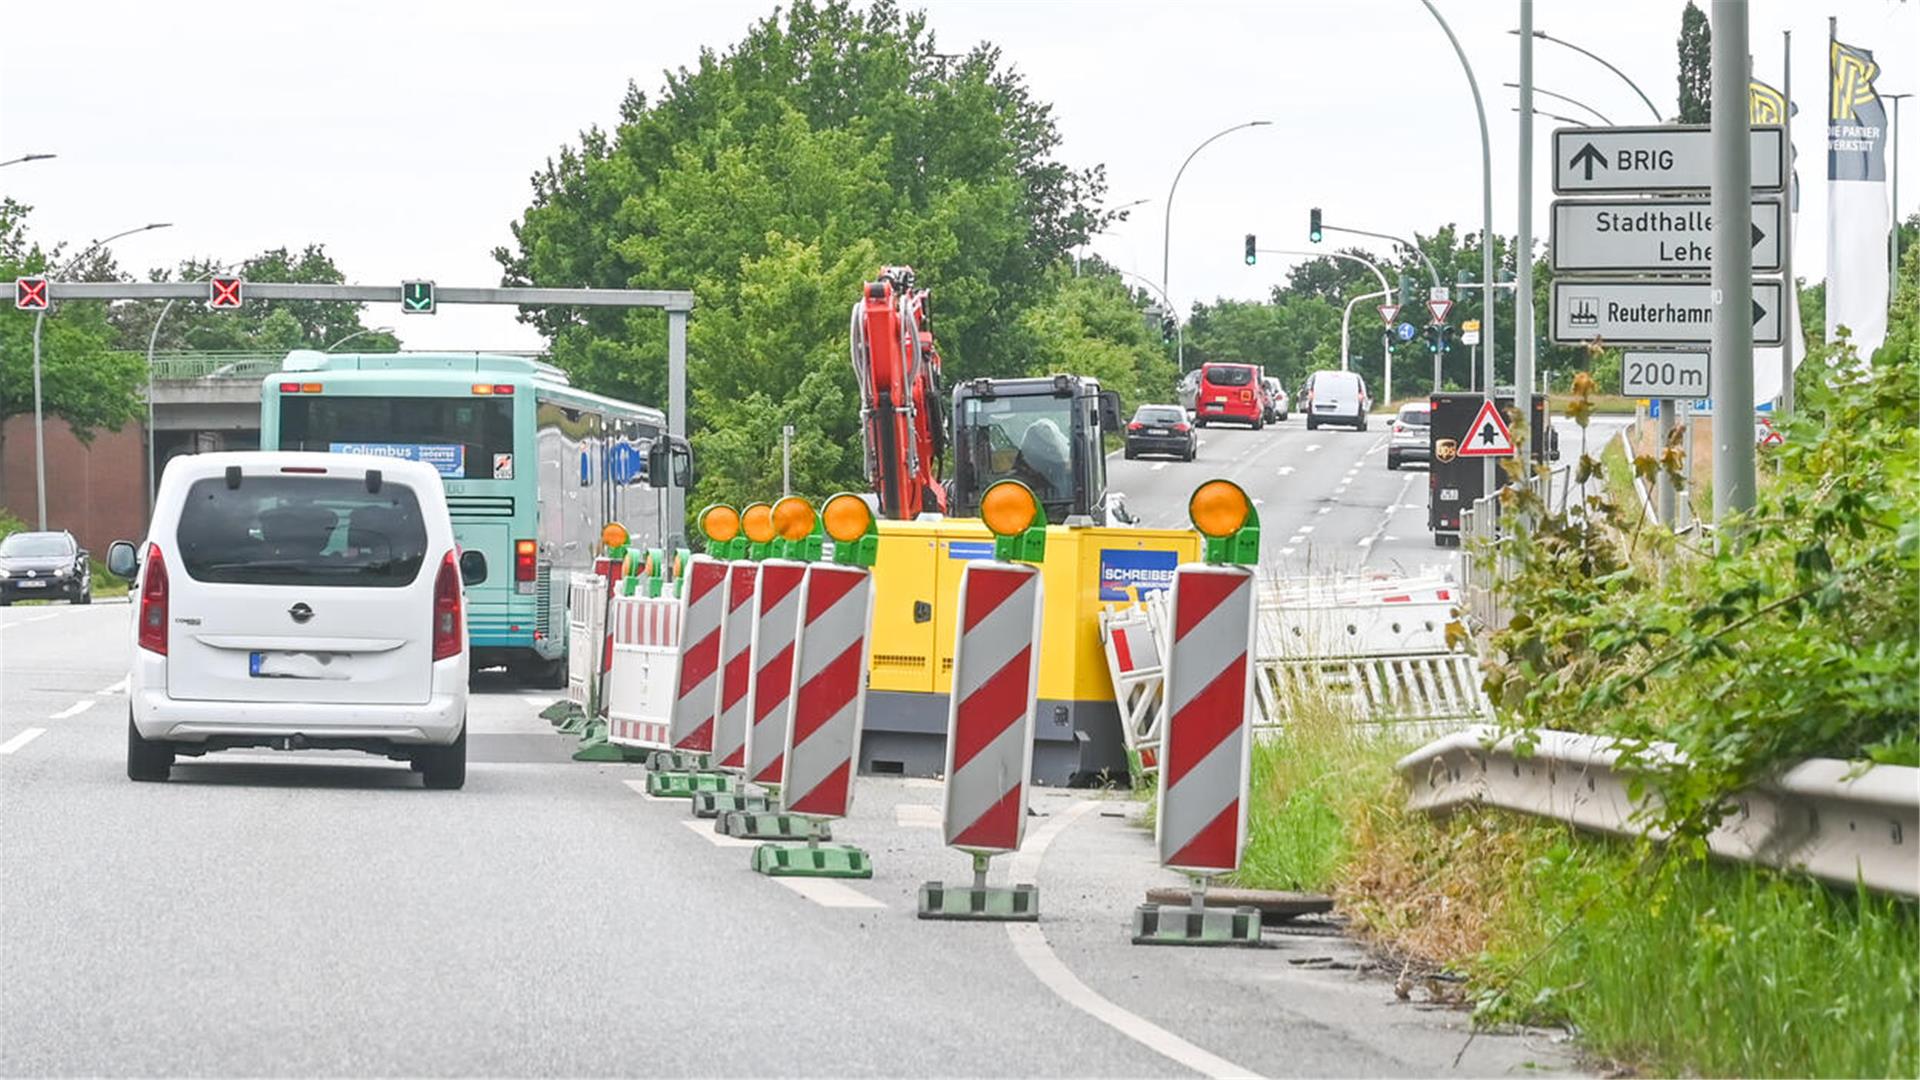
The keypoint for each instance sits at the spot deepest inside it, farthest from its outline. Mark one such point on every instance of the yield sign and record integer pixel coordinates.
(1387, 312)
(1487, 436)
(1440, 309)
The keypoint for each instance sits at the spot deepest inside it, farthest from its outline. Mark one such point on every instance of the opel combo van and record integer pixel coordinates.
(298, 601)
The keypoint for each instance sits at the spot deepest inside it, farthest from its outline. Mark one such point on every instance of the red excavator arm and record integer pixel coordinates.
(898, 368)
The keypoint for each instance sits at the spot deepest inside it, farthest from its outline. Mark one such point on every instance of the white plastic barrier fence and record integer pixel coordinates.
(1135, 642)
(640, 686)
(586, 613)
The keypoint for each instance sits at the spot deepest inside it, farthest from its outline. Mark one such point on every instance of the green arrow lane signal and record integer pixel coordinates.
(416, 297)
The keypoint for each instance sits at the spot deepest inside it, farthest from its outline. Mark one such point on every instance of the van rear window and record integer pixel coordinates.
(1229, 375)
(301, 530)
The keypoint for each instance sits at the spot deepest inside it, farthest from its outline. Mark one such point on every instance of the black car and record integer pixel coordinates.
(1161, 429)
(44, 566)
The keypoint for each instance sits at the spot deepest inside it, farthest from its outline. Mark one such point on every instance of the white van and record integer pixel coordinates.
(1336, 397)
(299, 601)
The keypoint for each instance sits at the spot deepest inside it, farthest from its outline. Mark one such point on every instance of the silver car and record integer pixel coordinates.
(1411, 439)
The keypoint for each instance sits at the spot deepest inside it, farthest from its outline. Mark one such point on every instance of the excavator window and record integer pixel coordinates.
(1025, 438)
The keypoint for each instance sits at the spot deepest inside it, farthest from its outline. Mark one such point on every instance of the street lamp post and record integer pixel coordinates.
(357, 333)
(1346, 316)
(1386, 344)
(1893, 178)
(1113, 210)
(39, 416)
(27, 157)
(1166, 233)
(1179, 334)
(1595, 57)
(1576, 102)
(1487, 234)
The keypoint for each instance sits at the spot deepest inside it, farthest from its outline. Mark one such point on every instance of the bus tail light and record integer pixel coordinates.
(446, 610)
(523, 560)
(153, 602)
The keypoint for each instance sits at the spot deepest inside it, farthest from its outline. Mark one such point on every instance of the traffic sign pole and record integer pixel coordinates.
(1733, 336)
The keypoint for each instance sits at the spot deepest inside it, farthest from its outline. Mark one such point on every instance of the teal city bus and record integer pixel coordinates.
(534, 470)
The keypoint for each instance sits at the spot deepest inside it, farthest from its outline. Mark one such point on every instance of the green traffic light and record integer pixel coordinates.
(1313, 226)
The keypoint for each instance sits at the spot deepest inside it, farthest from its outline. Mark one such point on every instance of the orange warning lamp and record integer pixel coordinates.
(720, 523)
(793, 518)
(614, 536)
(849, 521)
(1018, 522)
(1223, 514)
(757, 522)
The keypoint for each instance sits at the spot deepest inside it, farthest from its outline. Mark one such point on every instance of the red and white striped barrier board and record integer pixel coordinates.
(829, 690)
(996, 675)
(1202, 822)
(776, 605)
(697, 682)
(646, 657)
(736, 667)
(1133, 662)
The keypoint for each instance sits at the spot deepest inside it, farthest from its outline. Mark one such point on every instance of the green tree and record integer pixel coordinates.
(1696, 66)
(830, 141)
(82, 380)
(257, 325)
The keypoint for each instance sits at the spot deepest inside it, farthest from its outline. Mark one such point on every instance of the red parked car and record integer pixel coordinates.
(1230, 392)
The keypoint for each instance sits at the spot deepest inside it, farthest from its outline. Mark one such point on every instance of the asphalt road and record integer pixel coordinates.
(1327, 502)
(320, 913)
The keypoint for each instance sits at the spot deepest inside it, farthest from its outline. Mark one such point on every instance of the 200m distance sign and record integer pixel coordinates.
(1641, 311)
(1678, 374)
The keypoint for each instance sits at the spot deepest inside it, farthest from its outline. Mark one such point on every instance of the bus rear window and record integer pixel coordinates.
(464, 437)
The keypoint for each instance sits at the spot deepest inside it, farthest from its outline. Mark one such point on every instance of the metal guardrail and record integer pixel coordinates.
(189, 366)
(1826, 817)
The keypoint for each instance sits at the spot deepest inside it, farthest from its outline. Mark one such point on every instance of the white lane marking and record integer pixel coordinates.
(1156, 466)
(1285, 470)
(1386, 518)
(1030, 945)
(117, 688)
(703, 827)
(829, 893)
(1286, 551)
(21, 739)
(1365, 541)
(24, 622)
(916, 816)
(1304, 528)
(1312, 447)
(73, 710)
(1326, 510)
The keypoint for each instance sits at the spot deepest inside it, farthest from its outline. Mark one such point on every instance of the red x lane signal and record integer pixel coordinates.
(223, 292)
(30, 293)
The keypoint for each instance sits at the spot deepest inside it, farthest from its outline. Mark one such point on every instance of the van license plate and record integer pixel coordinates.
(296, 665)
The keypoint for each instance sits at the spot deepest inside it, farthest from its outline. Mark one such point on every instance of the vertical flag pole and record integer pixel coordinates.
(1792, 314)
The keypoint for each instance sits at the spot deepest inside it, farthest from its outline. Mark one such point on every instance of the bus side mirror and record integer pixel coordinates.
(670, 463)
(121, 561)
(473, 568)
(1109, 411)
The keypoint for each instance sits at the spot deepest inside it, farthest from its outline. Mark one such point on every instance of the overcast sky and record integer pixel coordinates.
(402, 135)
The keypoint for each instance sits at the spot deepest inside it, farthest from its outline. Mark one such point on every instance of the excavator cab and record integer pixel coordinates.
(1045, 432)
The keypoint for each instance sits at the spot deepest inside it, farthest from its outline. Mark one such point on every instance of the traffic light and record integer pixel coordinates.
(416, 297)
(1249, 249)
(224, 293)
(1406, 290)
(30, 293)
(1166, 328)
(1313, 226)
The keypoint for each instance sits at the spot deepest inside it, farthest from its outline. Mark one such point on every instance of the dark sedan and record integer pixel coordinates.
(44, 566)
(1161, 429)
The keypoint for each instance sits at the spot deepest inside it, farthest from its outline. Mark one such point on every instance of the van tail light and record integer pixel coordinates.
(447, 630)
(1399, 428)
(523, 560)
(153, 602)
(1246, 395)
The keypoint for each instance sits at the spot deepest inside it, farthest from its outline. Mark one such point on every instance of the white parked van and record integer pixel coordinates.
(299, 601)
(1336, 397)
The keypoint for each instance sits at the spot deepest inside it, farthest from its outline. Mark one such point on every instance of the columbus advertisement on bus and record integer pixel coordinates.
(534, 468)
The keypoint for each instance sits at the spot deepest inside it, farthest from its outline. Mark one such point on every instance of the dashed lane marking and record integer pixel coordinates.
(73, 710)
(1326, 510)
(639, 788)
(117, 688)
(1030, 945)
(829, 893)
(703, 828)
(25, 622)
(1313, 447)
(1285, 470)
(1156, 466)
(21, 740)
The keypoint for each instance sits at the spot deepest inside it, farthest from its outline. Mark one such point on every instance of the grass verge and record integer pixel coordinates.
(1662, 962)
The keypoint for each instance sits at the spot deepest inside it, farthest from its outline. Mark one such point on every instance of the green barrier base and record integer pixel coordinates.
(747, 825)
(675, 761)
(1180, 924)
(812, 860)
(559, 711)
(1018, 903)
(684, 785)
(595, 747)
(717, 804)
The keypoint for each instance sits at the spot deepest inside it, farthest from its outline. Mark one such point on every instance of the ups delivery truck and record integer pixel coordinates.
(1453, 481)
